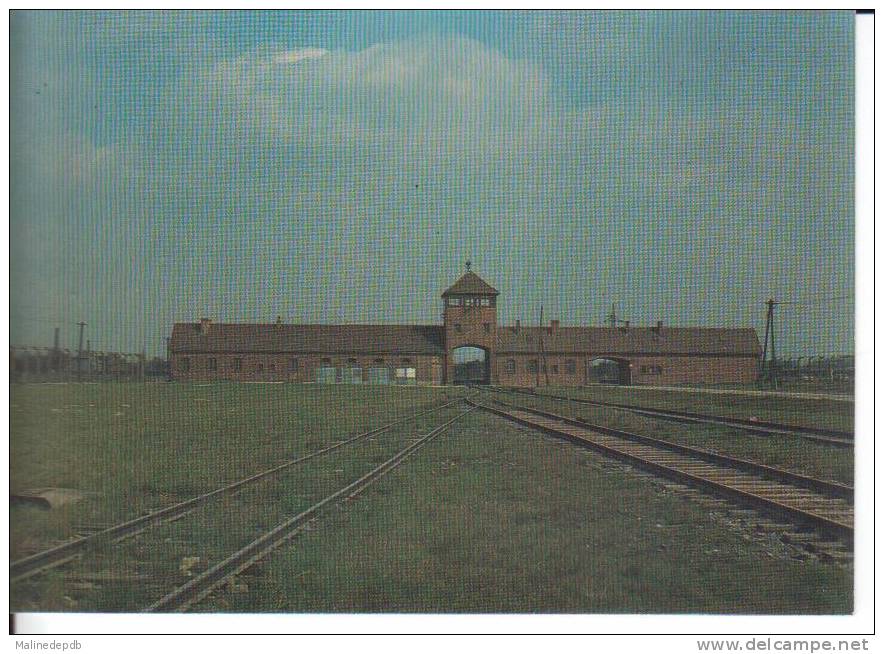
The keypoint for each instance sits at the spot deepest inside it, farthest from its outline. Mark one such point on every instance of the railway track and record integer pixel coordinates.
(71, 550)
(202, 585)
(833, 437)
(825, 506)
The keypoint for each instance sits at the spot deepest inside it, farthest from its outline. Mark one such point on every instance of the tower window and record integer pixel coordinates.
(293, 364)
(185, 364)
(237, 364)
(570, 366)
(532, 365)
(511, 366)
(213, 364)
(458, 328)
(487, 327)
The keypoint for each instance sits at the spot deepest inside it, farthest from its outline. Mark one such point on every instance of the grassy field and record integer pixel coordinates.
(790, 453)
(138, 447)
(490, 518)
(829, 414)
(487, 518)
(839, 387)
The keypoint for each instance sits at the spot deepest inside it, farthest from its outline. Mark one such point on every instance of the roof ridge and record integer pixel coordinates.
(470, 283)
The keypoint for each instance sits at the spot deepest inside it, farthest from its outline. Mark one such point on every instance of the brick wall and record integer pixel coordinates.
(470, 326)
(570, 370)
(279, 367)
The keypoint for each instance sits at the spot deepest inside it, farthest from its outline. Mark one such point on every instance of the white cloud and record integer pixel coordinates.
(294, 56)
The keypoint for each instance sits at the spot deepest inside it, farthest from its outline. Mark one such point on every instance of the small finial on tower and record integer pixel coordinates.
(469, 265)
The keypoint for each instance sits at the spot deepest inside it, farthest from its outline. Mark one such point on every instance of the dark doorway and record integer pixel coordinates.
(471, 366)
(608, 371)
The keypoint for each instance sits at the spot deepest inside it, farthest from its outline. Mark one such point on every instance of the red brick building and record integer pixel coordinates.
(513, 355)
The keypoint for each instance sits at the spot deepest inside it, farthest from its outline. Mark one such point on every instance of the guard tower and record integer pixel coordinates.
(470, 319)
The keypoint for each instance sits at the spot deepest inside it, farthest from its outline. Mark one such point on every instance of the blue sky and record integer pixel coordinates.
(341, 167)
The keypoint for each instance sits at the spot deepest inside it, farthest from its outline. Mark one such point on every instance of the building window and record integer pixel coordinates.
(486, 302)
(406, 362)
(532, 365)
(326, 361)
(272, 367)
(511, 366)
(555, 369)
(405, 375)
(213, 364)
(458, 328)
(293, 365)
(260, 367)
(570, 366)
(351, 361)
(487, 327)
(185, 364)
(237, 364)
(379, 361)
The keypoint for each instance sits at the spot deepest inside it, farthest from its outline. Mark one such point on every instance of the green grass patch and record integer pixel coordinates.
(787, 452)
(487, 518)
(134, 574)
(137, 447)
(491, 518)
(825, 414)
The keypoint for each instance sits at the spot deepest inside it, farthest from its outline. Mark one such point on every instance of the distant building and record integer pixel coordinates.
(513, 355)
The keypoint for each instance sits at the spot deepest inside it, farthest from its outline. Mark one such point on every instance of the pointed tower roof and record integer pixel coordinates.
(470, 284)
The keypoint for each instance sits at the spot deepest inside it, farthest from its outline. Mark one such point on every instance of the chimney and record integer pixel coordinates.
(205, 323)
(625, 325)
(659, 327)
(518, 326)
(278, 320)
(553, 326)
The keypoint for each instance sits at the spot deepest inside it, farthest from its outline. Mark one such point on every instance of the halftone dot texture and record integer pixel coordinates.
(340, 167)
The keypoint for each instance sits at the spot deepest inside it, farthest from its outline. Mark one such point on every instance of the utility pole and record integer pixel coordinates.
(80, 350)
(540, 346)
(769, 336)
(56, 353)
(168, 362)
(542, 354)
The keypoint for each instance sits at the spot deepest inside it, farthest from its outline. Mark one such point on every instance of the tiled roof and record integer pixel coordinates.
(226, 337)
(470, 284)
(430, 339)
(630, 340)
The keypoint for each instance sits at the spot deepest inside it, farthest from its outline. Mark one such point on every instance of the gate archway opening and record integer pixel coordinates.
(472, 365)
(605, 370)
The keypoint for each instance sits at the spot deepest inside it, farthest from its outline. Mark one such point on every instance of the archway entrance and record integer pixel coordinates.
(471, 365)
(608, 371)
